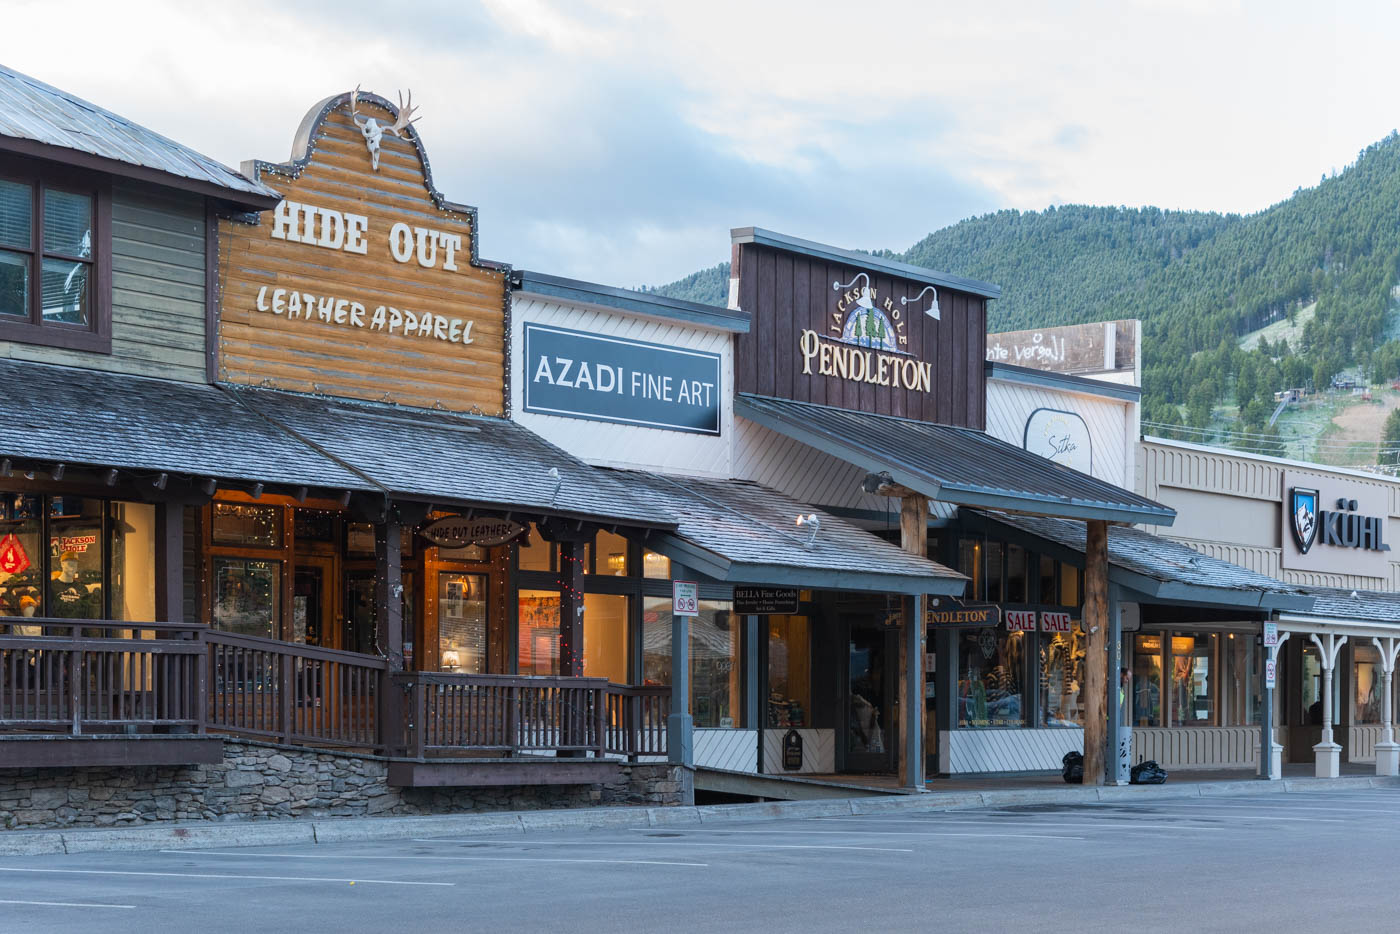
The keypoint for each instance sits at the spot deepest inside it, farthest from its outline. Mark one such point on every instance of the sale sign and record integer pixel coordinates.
(13, 559)
(1055, 622)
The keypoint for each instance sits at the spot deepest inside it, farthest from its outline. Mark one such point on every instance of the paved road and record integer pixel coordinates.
(1314, 862)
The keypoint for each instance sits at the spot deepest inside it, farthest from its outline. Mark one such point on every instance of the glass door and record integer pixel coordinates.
(462, 622)
(872, 655)
(313, 602)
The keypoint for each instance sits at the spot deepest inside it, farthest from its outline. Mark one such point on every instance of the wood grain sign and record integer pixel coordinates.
(857, 338)
(365, 282)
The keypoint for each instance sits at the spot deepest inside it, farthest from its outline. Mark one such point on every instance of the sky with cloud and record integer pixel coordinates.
(620, 140)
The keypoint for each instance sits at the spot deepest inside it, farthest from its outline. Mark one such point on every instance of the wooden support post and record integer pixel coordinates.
(1095, 624)
(170, 563)
(913, 538)
(571, 608)
(388, 616)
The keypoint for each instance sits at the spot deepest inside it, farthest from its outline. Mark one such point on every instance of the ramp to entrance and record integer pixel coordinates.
(791, 787)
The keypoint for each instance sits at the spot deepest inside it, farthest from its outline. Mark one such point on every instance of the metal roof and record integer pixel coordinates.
(1065, 382)
(954, 465)
(41, 115)
(650, 304)
(834, 254)
(440, 457)
(1167, 570)
(741, 532)
(1367, 605)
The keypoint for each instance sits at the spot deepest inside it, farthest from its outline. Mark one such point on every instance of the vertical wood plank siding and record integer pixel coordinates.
(786, 293)
(158, 268)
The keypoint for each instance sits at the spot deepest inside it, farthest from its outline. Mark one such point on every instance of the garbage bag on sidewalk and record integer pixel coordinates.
(1074, 767)
(1148, 773)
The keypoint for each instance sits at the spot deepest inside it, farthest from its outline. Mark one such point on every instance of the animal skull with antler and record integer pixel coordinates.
(373, 131)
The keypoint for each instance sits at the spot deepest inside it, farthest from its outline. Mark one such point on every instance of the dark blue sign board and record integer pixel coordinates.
(613, 379)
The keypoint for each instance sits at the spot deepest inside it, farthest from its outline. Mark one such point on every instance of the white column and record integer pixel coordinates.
(1387, 751)
(1275, 750)
(1327, 755)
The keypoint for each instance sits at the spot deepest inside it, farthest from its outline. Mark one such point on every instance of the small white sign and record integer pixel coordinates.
(1020, 620)
(1056, 622)
(685, 598)
(1270, 673)
(1271, 634)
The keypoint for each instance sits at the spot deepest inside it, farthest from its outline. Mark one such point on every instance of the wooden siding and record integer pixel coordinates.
(818, 752)
(157, 290)
(314, 356)
(1223, 747)
(964, 751)
(1010, 404)
(802, 472)
(614, 445)
(787, 293)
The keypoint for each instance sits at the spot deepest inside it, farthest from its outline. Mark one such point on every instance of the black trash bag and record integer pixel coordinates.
(1148, 773)
(1074, 768)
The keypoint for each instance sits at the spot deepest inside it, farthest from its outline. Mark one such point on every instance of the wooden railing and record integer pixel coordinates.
(292, 693)
(58, 674)
(637, 720)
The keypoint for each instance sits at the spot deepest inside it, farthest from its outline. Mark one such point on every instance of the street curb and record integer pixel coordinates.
(195, 835)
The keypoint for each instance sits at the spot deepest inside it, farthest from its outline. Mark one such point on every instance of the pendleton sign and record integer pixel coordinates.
(363, 270)
(864, 341)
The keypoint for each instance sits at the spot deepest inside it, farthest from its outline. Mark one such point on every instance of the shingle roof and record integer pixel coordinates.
(744, 532)
(35, 111)
(454, 458)
(86, 417)
(954, 465)
(1164, 561)
(1366, 605)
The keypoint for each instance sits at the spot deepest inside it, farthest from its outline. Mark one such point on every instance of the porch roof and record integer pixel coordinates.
(1162, 570)
(1362, 605)
(741, 532)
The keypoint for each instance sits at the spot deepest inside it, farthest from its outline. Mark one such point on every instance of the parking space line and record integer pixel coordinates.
(897, 833)
(215, 875)
(16, 901)
(1225, 815)
(1284, 807)
(746, 846)
(994, 822)
(458, 859)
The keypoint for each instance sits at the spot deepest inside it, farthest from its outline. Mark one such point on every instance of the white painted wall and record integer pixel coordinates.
(607, 444)
(1112, 423)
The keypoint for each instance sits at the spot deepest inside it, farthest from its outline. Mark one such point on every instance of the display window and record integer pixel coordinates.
(1194, 690)
(789, 671)
(1244, 697)
(605, 631)
(1368, 686)
(1062, 677)
(991, 678)
(538, 631)
(715, 693)
(1147, 680)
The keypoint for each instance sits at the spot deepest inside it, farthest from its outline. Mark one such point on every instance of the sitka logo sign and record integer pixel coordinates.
(1302, 506)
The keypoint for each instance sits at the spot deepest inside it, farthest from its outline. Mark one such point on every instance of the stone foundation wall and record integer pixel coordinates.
(258, 781)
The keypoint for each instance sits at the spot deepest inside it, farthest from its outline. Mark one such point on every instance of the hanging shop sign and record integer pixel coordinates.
(485, 531)
(1056, 622)
(614, 379)
(766, 601)
(1334, 526)
(947, 611)
(363, 269)
(1060, 436)
(13, 558)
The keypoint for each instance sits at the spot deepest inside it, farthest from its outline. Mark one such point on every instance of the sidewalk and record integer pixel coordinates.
(1026, 791)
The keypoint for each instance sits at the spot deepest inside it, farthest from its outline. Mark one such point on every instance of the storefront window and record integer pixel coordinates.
(1049, 593)
(536, 554)
(1311, 686)
(133, 562)
(1069, 585)
(970, 563)
(714, 659)
(655, 566)
(1062, 678)
(75, 558)
(1016, 574)
(247, 596)
(609, 555)
(990, 689)
(462, 622)
(1243, 698)
(539, 632)
(1193, 682)
(789, 671)
(995, 588)
(605, 637)
(254, 526)
(1367, 682)
(1147, 680)
(21, 560)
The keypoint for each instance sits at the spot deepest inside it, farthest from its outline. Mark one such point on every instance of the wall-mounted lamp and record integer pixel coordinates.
(558, 482)
(932, 310)
(812, 523)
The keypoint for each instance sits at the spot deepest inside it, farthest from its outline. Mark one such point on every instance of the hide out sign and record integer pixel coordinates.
(613, 379)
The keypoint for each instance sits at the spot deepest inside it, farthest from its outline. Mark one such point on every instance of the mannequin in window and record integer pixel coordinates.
(28, 607)
(69, 598)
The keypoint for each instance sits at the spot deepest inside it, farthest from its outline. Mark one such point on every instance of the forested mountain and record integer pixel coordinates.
(1198, 281)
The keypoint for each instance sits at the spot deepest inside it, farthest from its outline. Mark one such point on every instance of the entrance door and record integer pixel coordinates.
(873, 656)
(313, 601)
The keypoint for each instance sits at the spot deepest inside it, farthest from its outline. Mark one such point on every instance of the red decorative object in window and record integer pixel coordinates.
(13, 559)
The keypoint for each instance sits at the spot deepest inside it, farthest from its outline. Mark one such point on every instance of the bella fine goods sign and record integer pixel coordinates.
(459, 532)
(1335, 526)
(613, 379)
(363, 269)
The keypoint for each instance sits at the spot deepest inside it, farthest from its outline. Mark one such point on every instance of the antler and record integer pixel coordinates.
(354, 96)
(405, 112)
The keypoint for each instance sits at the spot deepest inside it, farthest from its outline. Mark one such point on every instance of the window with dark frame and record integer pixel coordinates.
(55, 261)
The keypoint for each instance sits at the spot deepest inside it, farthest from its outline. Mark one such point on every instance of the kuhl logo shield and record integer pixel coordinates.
(1303, 507)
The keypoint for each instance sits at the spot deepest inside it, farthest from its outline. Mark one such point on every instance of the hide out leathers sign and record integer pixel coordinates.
(1335, 526)
(486, 531)
(613, 379)
(364, 282)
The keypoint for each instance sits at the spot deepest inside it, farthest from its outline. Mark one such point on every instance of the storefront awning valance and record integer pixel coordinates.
(740, 532)
(1159, 570)
(953, 465)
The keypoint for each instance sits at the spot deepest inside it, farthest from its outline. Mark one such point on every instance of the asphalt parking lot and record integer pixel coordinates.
(1314, 861)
